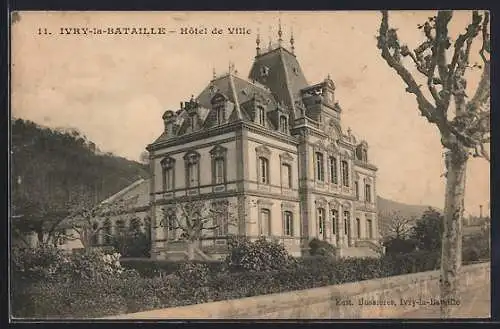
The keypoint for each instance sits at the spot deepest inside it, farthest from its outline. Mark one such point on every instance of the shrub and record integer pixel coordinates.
(321, 248)
(261, 255)
(36, 263)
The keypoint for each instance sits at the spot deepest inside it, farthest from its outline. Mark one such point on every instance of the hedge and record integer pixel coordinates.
(151, 268)
(194, 283)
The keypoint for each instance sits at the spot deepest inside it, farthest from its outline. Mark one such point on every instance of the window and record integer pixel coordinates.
(265, 222)
(168, 168)
(288, 223)
(334, 215)
(221, 218)
(358, 227)
(347, 215)
(193, 123)
(356, 189)
(218, 154)
(135, 225)
(262, 116)
(321, 221)
(120, 225)
(169, 224)
(168, 179)
(333, 170)
(369, 228)
(345, 173)
(220, 115)
(364, 155)
(368, 193)
(219, 170)
(283, 124)
(263, 170)
(286, 175)
(192, 174)
(320, 173)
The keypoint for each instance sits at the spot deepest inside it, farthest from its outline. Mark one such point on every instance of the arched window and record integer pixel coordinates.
(192, 160)
(283, 124)
(345, 173)
(334, 215)
(333, 171)
(365, 155)
(288, 223)
(263, 170)
(168, 173)
(321, 222)
(320, 170)
(218, 154)
(368, 193)
(221, 114)
(347, 216)
(262, 116)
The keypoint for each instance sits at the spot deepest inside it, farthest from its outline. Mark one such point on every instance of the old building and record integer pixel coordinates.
(273, 147)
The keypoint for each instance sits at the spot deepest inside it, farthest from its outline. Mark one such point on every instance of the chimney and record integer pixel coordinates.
(480, 211)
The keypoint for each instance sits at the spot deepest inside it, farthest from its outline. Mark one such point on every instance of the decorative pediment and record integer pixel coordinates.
(265, 202)
(286, 157)
(218, 99)
(321, 202)
(320, 146)
(168, 115)
(334, 204)
(167, 162)
(262, 150)
(288, 205)
(218, 151)
(192, 156)
(346, 206)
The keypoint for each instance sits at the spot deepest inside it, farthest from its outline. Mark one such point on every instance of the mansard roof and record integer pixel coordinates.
(284, 78)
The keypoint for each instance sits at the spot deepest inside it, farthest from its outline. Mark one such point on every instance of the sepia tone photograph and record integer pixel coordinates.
(319, 165)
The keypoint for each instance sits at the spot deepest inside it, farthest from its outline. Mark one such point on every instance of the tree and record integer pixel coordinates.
(194, 219)
(428, 231)
(399, 226)
(464, 130)
(86, 218)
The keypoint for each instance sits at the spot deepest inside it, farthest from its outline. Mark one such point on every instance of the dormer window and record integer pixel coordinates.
(283, 124)
(364, 153)
(221, 115)
(262, 116)
(264, 71)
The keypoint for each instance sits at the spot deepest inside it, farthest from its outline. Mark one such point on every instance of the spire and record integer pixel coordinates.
(280, 33)
(292, 41)
(258, 42)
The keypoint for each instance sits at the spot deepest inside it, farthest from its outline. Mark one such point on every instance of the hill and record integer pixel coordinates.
(51, 168)
(388, 207)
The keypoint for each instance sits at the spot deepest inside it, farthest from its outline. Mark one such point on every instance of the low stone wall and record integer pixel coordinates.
(399, 294)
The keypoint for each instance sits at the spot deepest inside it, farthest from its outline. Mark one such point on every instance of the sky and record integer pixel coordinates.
(115, 88)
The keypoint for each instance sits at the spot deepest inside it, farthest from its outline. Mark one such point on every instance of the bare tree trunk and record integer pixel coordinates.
(190, 249)
(451, 252)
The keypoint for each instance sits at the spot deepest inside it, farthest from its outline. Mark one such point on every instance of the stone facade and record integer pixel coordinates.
(272, 146)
